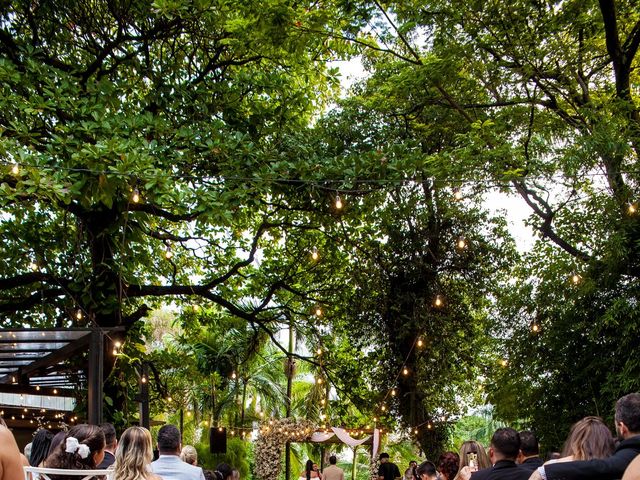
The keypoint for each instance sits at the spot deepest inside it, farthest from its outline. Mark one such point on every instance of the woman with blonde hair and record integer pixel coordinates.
(589, 438)
(133, 455)
(189, 455)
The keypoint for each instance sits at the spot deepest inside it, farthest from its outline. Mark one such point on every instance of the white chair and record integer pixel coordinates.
(43, 473)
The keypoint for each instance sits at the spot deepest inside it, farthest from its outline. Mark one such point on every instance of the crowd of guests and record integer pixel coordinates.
(92, 447)
(590, 453)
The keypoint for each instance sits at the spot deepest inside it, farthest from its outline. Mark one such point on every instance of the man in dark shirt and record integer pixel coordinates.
(504, 449)
(388, 470)
(529, 457)
(627, 418)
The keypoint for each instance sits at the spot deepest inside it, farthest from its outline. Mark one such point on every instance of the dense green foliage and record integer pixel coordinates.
(196, 153)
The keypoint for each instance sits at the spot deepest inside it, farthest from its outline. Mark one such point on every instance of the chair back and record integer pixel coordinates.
(34, 473)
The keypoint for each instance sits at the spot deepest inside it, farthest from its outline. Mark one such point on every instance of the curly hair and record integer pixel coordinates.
(448, 464)
(89, 435)
(189, 455)
(134, 454)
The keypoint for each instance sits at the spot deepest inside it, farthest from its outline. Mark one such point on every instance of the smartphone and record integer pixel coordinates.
(472, 461)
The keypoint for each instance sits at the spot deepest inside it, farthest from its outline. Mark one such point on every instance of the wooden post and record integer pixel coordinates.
(95, 374)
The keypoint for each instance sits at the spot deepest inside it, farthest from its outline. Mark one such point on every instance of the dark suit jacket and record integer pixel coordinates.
(502, 470)
(530, 464)
(107, 462)
(605, 469)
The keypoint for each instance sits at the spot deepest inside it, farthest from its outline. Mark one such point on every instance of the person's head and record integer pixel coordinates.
(529, 446)
(628, 416)
(315, 467)
(333, 460)
(133, 454)
(235, 474)
(427, 471)
(189, 455)
(589, 438)
(169, 442)
(308, 466)
(223, 472)
(109, 436)
(473, 448)
(384, 457)
(448, 465)
(505, 445)
(82, 448)
(209, 475)
(57, 440)
(40, 446)
(413, 464)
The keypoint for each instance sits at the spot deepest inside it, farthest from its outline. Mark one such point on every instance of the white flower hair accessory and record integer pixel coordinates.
(73, 446)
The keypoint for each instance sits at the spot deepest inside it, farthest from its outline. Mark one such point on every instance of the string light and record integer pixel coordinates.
(314, 254)
(143, 379)
(318, 312)
(461, 243)
(631, 209)
(117, 344)
(393, 392)
(168, 253)
(438, 301)
(535, 326)
(575, 279)
(319, 380)
(233, 375)
(33, 266)
(420, 343)
(405, 371)
(135, 197)
(319, 351)
(79, 314)
(339, 204)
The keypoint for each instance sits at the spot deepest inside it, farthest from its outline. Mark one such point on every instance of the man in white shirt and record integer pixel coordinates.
(169, 466)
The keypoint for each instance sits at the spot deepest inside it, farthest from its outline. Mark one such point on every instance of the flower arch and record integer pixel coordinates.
(272, 437)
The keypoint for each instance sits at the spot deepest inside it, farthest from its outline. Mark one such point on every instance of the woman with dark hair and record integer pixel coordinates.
(427, 471)
(40, 446)
(81, 449)
(310, 471)
(448, 465)
(223, 472)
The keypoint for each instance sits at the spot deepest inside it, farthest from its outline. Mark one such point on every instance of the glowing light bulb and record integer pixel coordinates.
(33, 266)
(319, 381)
(575, 278)
(117, 344)
(314, 254)
(319, 351)
(438, 301)
(383, 408)
(15, 169)
(233, 375)
(405, 371)
(143, 379)
(55, 391)
(393, 392)
(79, 314)
(415, 431)
(318, 312)
(115, 352)
(457, 194)
(339, 204)
(461, 243)
(429, 426)
(632, 209)
(504, 362)
(169, 399)
(420, 342)
(535, 327)
(323, 401)
(135, 197)
(168, 253)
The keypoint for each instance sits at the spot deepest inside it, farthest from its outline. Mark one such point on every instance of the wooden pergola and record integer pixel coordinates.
(36, 362)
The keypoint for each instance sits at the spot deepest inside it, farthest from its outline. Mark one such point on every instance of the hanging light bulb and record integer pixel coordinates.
(457, 194)
(135, 197)
(535, 326)
(233, 375)
(117, 344)
(168, 253)
(143, 379)
(631, 209)
(420, 342)
(319, 380)
(15, 169)
(33, 266)
(314, 254)
(461, 243)
(318, 312)
(393, 392)
(504, 362)
(575, 279)
(438, 301)
(383, 408)
(405, 371)
(79, 314)
(319, 351)
(339, 204)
